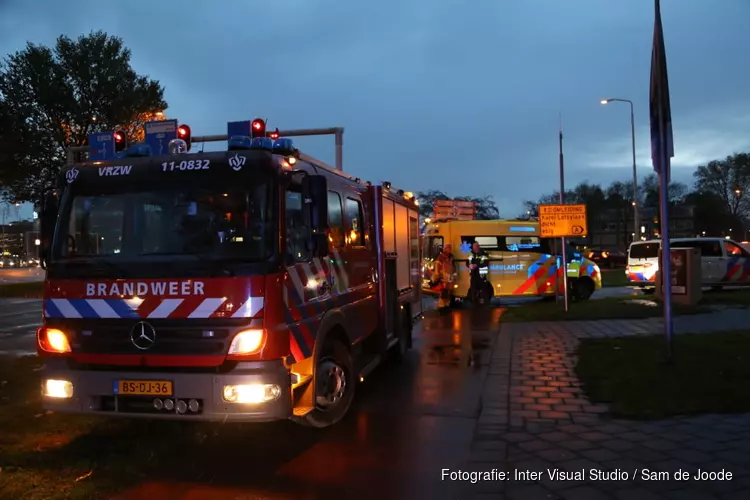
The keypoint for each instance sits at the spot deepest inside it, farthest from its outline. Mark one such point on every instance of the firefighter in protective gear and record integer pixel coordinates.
(444, 275)
(478, 264)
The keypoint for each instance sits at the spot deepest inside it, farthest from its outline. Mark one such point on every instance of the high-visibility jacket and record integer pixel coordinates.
(444, 268)
(482, 260)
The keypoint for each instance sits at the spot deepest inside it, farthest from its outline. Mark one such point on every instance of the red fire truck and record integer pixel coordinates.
(247, 285)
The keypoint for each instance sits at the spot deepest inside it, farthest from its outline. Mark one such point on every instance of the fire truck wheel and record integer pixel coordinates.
(335, 386)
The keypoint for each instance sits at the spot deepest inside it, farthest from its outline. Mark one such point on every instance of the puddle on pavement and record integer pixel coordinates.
(459, 336)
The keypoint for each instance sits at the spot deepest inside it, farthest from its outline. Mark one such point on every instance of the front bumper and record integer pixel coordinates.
(94, 393)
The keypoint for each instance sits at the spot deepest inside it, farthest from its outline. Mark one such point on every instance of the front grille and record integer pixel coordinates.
(172, 337)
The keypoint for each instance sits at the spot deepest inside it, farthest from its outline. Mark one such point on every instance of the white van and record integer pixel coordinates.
(723, 262)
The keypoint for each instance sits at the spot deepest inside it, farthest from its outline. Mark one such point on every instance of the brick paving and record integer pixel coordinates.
(535, 419)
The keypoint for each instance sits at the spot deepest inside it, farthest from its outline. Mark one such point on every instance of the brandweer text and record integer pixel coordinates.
(141, 288)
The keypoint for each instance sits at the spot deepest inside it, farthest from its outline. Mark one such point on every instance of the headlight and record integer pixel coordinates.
(247, 342)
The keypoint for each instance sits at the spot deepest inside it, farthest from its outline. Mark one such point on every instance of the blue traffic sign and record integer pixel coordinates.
(158, 135)
(102, 146)
(238, 128)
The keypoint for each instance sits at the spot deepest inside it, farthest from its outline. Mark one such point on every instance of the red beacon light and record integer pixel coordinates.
(183, 132)
(121, 140)
(257, 128)
(274, 135)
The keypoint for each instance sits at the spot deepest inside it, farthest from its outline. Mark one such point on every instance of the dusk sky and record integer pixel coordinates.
(458, 96)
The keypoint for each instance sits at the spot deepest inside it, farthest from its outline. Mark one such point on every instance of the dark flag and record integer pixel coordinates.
(662, 147)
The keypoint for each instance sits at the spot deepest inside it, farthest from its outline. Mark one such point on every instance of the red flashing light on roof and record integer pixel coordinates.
(257, 128)
(121, 140)
(183, 132)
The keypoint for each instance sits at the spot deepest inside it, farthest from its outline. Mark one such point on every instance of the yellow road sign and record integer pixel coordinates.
(562, 221)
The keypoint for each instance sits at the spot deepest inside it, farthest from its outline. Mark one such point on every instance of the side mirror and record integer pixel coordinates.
(315, 190)
(47, 219)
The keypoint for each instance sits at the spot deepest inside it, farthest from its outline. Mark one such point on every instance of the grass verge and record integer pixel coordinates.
(709, 373)
(49, 456)
(610, 308)
(29, 290)
(614, 277)
(736, 297)
(620, 308)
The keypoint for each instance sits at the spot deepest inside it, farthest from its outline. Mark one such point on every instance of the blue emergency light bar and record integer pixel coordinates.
(239, 142)
(138, 151)
(162, 141)
(522, 229)
(283, 146)
(262, 143)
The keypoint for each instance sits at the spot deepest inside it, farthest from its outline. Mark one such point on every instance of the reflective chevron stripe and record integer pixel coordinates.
(192, 307)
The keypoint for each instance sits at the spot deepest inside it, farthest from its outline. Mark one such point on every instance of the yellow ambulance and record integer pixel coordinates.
(521, 262)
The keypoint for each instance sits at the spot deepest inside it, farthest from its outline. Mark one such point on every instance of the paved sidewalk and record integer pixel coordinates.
(535, 420)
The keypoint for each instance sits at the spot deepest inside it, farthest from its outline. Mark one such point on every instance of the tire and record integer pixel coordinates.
(335, 366)
(584, 288)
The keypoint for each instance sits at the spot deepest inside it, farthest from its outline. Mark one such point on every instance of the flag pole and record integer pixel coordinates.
(662, 150)
(666, 264)
(564, 263)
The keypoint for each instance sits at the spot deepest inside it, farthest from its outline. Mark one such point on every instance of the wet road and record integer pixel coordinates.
(25, 274)
(19, 319)
(409, 421)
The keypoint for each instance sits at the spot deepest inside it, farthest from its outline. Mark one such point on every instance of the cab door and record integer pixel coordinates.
(528, 270)
(713, 262)
(432, 246)
(496, 275)
(737, 264)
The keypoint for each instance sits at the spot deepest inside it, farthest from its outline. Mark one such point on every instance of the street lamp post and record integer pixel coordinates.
(636, 226)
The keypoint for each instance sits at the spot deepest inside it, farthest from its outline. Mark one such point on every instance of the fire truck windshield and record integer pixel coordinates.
(165, 222)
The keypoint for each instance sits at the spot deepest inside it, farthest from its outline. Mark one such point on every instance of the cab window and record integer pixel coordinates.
(354, 219)
(734, 250)
(297, 231)
(487, 243)
(433, 245)
(707, 248)
(335, 219)
(533, 244)
(643, 250)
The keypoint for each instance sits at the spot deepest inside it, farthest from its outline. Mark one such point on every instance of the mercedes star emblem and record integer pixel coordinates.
(143, 335)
